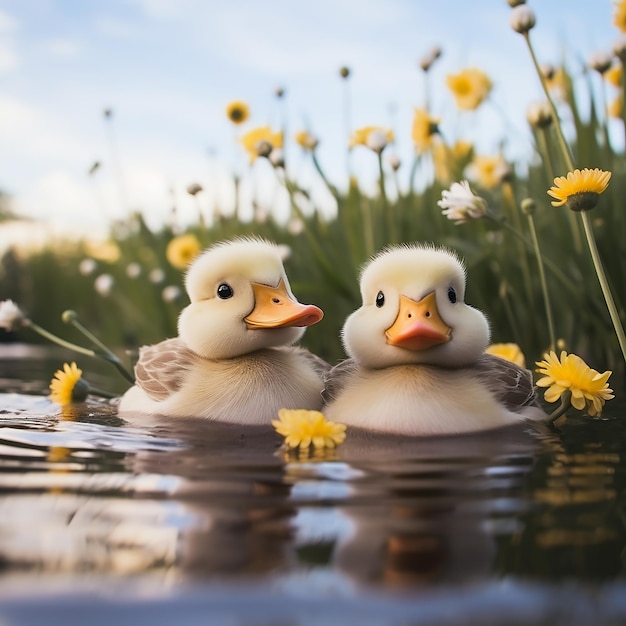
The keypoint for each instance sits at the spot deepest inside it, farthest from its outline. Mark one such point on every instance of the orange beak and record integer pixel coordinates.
(275, 308)
(418, 325)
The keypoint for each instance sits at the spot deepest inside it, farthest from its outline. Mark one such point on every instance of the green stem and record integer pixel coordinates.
(101, 392)
(54, 339)
(542, 278)
(331, 187)
(604, 283)
(569, 159)
(502, 221)
(565, 405)
(591, 242)
(391, 227)
(69, 317)
(329, 270)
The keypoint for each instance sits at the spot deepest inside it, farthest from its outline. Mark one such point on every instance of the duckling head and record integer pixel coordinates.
(414, 311)
(241, 301)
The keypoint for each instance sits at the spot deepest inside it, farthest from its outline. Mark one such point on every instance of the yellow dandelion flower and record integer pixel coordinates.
(261, 141)
(470, 87)
(68, 385)
(558, 82)
(424, 129)
(580, 189)
(619, 17)
(614, 75)
(489, 171)
(373, 137)
(509, 351)
(182, 250)
(450, 161)
(302, 428)
(106, 251)
(569, 372)
(306, 140)
(237, 112)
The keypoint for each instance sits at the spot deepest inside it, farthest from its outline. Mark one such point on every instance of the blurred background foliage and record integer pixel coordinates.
(127, 292)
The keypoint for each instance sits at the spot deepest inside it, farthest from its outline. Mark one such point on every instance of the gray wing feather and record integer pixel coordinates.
(317, 363)
(336, 379)
(161, 368)
(511, 384)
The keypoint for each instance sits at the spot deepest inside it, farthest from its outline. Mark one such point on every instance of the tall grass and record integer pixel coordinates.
(503, 270)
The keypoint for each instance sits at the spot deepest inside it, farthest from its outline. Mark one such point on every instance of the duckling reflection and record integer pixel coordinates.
(182, 505)
(231, 484)
(430, 512)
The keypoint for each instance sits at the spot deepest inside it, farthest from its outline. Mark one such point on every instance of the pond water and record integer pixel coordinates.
(184, 521)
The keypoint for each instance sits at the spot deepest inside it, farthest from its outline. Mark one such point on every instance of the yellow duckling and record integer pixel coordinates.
(417, 364)
(233, 359)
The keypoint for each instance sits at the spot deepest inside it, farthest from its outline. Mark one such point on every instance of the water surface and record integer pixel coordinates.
(185, 521)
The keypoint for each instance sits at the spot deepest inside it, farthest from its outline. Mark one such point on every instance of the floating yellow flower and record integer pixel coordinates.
(509, 351)
(68, 385)
(373, 137)
(424, 129)
(619, 17)
(302, 428)
(182, 250)
(580, 189)
(306, 140)
(237, 112)
(261, 141)
(569, 372)
(470, 88)
(489, 171)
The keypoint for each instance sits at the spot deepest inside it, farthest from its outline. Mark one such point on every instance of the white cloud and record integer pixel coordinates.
(62, 48)
(8, 23)
(9, 58)
(27, 131)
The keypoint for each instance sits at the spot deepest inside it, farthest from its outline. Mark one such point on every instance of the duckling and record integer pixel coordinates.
(416, 361)
(233, 359)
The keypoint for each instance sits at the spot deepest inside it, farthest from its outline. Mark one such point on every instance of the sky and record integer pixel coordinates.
(166, 69)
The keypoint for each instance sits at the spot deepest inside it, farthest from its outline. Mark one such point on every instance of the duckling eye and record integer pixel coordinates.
(225, 291)
(380, 299)
(451, 294)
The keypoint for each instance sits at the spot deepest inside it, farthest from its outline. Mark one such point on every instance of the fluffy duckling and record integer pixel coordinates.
(417, 364)
(233, 359)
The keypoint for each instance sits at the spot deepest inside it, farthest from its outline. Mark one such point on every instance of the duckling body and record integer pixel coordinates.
(417, 364)
(232, 360)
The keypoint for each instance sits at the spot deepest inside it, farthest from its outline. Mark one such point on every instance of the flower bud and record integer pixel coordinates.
(194, 188)
(600, 61)
(426, 61)
(515, 3)
(528, 206)
(277, 157)
(619, 48)
(522, 19)
(539, 114)
(344, 72)
(69, 316)
(377, 140)
(395, 162)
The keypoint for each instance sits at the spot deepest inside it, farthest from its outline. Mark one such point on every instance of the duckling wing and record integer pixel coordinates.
(161, 368)
(511, 384)
(336, 379)
(319, 366)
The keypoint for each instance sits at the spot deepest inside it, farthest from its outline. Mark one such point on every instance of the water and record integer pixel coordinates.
(182, 521)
